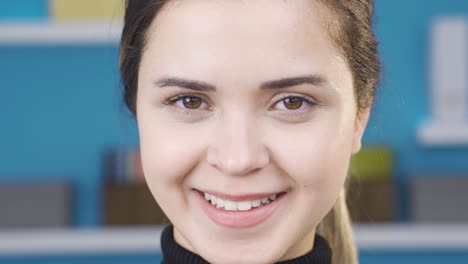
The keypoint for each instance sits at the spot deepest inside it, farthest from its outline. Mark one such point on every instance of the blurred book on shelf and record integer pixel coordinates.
(439, 198)
(127, 199)
(131, 204)
(35, 205)
(63, 10)
(371, 187)
(123, 166)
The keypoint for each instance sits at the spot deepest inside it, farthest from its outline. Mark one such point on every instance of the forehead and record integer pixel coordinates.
(268, 37)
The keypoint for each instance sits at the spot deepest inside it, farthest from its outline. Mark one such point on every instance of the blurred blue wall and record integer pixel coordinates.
(403, 29)
(24, 9)
(60, 106)
(60, 109)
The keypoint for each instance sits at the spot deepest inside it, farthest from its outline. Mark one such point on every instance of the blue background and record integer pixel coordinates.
(30, 10)
(403, 29)
(61, 108)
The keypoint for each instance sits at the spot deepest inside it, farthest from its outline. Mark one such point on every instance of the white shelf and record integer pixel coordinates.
(409, 237)
(62, 33)
(116, 241)
(45, 242)
(443, 134)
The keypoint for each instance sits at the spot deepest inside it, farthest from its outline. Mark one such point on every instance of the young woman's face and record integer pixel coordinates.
(244, 100)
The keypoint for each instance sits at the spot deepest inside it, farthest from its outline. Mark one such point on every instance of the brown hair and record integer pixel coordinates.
(350, 25)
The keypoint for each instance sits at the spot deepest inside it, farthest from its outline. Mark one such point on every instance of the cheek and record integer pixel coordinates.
(168, 150)
(317, 163)
(169, 153)
(318, 158)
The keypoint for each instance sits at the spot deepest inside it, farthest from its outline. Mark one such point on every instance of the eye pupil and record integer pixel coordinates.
(191, 102)
(293, 103)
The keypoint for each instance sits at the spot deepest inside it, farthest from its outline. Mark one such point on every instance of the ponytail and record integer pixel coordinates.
(336, 228)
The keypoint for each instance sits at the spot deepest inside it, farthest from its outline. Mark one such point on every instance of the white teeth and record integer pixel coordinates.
(244, 206)
(219, 203)
(230, 206)
(238, 206)
(256, 203)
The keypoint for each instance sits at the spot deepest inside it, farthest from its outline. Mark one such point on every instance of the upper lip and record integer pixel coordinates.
(241, 196)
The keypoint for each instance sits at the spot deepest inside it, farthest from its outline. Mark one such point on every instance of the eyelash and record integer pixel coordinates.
(309, 101)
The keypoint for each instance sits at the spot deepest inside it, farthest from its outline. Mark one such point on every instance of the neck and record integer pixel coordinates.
(173, 252)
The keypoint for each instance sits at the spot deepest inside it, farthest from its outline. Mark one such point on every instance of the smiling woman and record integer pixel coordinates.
(248, 114)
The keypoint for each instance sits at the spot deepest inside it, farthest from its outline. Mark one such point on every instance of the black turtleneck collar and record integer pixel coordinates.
(173, 253)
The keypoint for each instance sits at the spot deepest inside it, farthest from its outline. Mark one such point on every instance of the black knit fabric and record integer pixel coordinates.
(173, 253)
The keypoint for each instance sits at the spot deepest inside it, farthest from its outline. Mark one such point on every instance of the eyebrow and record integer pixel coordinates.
(316, 80)
(187, 84)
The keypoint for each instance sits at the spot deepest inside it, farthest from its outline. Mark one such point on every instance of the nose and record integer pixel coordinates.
(237, 148)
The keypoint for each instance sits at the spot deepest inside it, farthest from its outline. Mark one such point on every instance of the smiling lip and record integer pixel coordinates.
(239, 219)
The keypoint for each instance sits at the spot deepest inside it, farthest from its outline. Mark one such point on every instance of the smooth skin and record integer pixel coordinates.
(246, 97)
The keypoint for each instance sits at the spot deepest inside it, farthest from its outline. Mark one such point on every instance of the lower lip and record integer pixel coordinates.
(238, 219)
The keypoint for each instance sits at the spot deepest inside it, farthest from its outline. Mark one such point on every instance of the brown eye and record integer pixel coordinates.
(191, 102)
(293, 103)
(187, 102)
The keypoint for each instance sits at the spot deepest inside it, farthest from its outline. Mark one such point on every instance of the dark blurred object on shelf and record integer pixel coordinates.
(371, 201)
(441, 198)
(131, 204)
(371, 186)
(35, 205)
(123, 166)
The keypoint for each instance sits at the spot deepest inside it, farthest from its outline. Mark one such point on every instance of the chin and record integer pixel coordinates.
(236, 258)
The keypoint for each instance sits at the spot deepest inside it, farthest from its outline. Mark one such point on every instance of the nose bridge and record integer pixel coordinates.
(238, 147)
